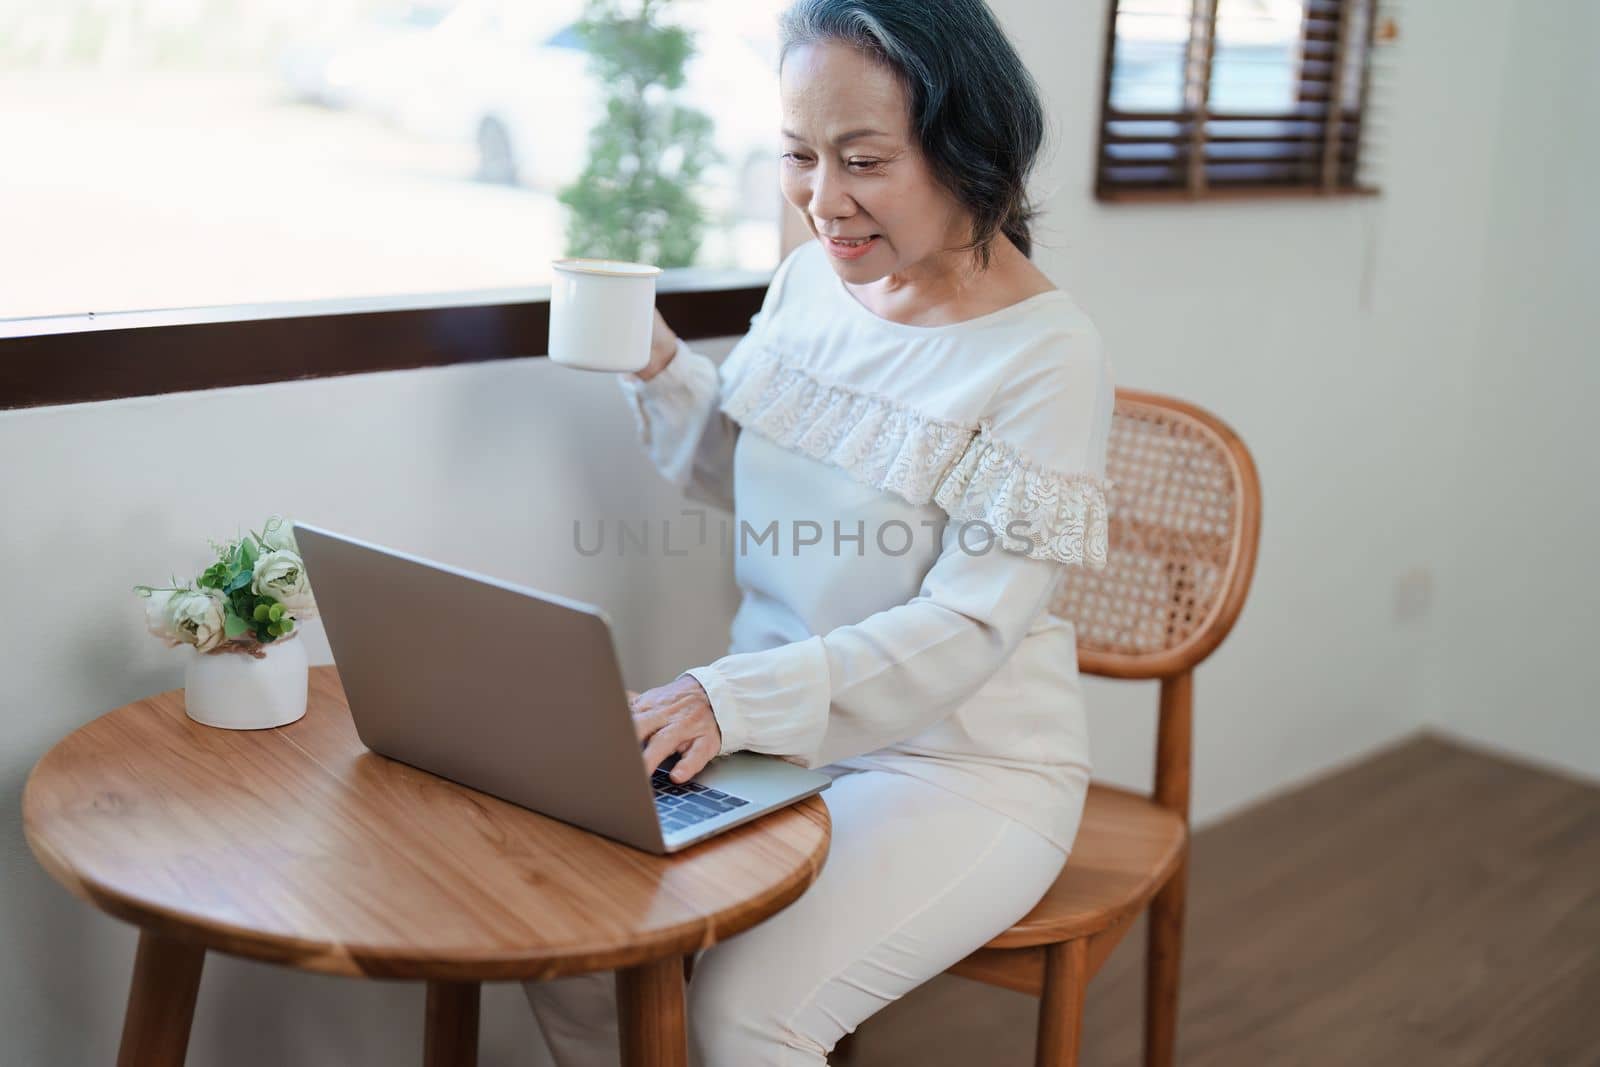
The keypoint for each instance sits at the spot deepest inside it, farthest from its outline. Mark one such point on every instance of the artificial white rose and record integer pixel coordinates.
(198, 618)
(279, 535)
(158, 617)
(282, 576)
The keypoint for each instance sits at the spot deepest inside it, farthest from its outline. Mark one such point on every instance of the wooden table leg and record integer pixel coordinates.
(451, 1033)
(166, 981)
(650, 1014)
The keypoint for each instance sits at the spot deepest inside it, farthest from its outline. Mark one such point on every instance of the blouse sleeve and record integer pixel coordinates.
(688, 439)
(893, 674)
(1026, 502)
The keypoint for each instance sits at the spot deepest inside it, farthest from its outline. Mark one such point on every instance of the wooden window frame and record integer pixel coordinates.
(74, 359)
(1333, 168)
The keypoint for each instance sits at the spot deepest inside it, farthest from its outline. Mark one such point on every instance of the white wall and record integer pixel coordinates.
(1337, 337)
(1519, 573)
(485, 467)
(1362, 349)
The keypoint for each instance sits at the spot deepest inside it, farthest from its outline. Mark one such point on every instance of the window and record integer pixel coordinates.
(1236, 97)
(180, 153)
(209, 193)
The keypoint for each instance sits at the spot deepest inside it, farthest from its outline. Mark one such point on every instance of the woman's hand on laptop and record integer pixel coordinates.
(676, 717)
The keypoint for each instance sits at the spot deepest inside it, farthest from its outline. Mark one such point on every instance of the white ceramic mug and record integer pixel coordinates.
(602, 312)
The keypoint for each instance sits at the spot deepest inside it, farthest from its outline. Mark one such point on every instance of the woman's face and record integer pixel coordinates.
(852, 166)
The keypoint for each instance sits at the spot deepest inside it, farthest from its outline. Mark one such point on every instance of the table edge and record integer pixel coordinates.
(331, 958)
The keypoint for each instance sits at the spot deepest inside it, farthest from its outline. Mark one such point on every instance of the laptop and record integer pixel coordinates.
(516, 693)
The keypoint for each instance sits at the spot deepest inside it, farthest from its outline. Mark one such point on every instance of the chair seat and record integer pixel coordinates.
(1126, 849)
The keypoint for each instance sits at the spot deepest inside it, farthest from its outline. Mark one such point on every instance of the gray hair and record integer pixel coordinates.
(974, 107)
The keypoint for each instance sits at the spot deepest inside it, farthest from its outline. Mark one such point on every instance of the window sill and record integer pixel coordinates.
(73, 359)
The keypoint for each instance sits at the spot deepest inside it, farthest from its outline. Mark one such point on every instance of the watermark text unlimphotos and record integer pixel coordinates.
(693, 529)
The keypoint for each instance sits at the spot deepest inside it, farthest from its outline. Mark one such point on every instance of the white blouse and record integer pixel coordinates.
(906, 500)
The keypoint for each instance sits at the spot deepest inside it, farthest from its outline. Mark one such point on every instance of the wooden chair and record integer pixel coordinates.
(1185, 507)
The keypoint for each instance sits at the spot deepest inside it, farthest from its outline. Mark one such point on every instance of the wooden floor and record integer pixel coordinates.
(1432, 905)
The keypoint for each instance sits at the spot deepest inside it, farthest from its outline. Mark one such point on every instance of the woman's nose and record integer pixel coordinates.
(829, 198)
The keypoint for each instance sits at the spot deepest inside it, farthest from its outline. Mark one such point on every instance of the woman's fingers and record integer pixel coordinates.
(663, 743)
(648, 717)
(694, 761)
(676, 717)
(663, 346)
(650, 720)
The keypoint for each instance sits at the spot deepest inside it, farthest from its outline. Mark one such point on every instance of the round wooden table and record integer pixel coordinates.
(299, 846)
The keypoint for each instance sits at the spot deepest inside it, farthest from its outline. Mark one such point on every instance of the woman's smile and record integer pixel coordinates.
(848, 248)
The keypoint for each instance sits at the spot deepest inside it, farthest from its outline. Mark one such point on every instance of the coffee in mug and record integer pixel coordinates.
(602, 312)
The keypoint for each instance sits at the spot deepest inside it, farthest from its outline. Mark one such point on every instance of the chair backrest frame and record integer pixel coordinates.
(1174, 665)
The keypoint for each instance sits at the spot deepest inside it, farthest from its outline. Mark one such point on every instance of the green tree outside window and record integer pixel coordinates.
(635, 199)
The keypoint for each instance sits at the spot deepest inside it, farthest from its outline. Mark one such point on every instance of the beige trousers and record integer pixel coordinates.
(916, 878)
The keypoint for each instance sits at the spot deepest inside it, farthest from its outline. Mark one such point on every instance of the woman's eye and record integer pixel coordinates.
(798, 159)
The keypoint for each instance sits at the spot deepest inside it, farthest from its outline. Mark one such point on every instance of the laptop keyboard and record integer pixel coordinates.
(682, 806)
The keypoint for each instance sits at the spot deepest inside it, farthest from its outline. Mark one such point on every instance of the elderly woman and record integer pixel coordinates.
(919, 402)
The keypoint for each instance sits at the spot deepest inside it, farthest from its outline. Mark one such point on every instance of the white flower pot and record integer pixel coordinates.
(237, 691)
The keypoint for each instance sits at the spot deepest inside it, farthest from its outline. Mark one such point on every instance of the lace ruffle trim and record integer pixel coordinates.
(1062, 516)
(959, 467)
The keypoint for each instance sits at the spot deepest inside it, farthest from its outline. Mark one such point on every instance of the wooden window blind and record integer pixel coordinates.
(1205, 98)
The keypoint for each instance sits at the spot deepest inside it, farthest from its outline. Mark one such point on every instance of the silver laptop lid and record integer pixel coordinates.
(502, 688)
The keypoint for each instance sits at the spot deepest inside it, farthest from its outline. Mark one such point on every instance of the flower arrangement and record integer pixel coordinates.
(251, 597)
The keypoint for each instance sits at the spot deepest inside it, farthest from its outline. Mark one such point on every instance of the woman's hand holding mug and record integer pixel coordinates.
(663, 346)
(676, 717)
